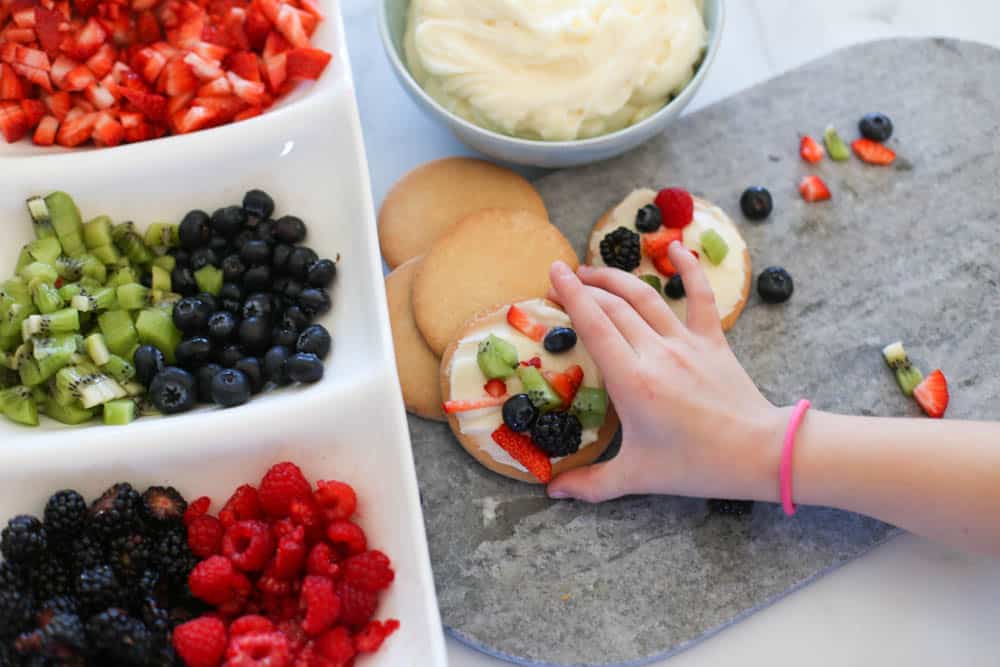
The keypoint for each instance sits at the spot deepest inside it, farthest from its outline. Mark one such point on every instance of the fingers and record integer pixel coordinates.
(702, 314)
(636, 330)
(642, 297)
(593, 484)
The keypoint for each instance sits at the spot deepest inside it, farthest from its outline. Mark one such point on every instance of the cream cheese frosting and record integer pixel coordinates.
(555, 70)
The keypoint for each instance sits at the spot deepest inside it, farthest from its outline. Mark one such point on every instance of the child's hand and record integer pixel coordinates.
(693, 422)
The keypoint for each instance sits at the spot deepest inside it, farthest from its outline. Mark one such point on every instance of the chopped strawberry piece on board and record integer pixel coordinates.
(521, 321)
(524, 451)
(495, 388)
(932, 394)
(873, 152)
(813, 189)
(810, 150)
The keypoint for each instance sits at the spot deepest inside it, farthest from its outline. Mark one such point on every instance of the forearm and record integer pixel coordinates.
(940, 479)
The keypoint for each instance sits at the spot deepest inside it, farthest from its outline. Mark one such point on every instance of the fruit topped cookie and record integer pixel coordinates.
(635, 235)
(523, 395)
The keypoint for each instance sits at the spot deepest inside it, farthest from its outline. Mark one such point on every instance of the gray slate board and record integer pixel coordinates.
(905, 252)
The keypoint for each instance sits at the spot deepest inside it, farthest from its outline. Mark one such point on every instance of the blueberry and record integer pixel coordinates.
(290, 230)
(756, 203)
(876, 126)
(233, 269)
(675, 287)
(193, 231)
(192, 352)
(314, 339)
(265, 231)
(775, 285)
(321, 273)
(242, 238)
(295, 318)
(255, 335)
(231, 291)
(285, 336)
(299, 261)
(293, 289)
(304, 367)
(255, 252)
(519, 413)
(230, 387)
(148, 361)
(182, 281)
(209, 300)
(205, 376)
(219, 245)
(258, 204)
(250, 367)
(274, 364)
(257, 278)
(222, 325)
(191, 315)
(172, 390)
(559, 339)
(648, 218)
(259, 304)
(279, 258)
(202, 257)
(314, 301)
(230, 354)
(181, 257)
(228, 221)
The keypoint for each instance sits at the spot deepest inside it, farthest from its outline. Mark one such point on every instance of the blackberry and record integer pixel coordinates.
(50, 578)
(174, 557)
(165, 657)
(16, 607)
(65, 514)
(557, 433)
(62, 637)
(156, 620)
(119, 638)
(129, 555)
(163, 505)
(12, 576)
(116, 511)
(98, 588)
(23, 540)
(63, 604)
(620, 249)
(87, 551)
(731, 507)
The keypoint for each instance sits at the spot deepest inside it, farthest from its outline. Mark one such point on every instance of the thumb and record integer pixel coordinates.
(593, 484)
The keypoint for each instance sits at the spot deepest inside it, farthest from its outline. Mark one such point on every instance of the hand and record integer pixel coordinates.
(693, 422)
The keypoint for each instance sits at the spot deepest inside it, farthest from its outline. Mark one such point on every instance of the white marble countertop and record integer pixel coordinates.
(908, 603)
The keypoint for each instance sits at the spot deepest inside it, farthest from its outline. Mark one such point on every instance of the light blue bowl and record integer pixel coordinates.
(392, 25)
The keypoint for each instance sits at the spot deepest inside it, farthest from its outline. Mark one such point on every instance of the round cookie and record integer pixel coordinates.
(730, 280)
(479, 444)
(491, 257)
(433, 197)
(418, 366)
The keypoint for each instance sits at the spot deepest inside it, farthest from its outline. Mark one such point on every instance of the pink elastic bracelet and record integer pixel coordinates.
(786, 455)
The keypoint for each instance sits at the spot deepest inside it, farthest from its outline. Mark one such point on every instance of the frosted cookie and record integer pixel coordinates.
(489, 258)
(648, 230)
(522, 394)
(418, 366)
(433, 197)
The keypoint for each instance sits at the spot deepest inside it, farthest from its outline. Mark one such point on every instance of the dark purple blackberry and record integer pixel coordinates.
(52, 577)
(173, 555)
(23, 540)
(61, 638)
(13, 576)
(99, 588)
(165, 657)
(620, 249)
(557, 433)
(63, 604)
(156, 620)
(163, 505)
(119, 638)
(17, 607)
(129, 555)
(730, 507)
(65, 514)
(117, 511)
(87, 551)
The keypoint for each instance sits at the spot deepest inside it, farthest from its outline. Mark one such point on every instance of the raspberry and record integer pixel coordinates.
(371, 637)
(297, 639)
(201, 642)
(346, 536)
(213, 580)
(236, 604)
(369, 571)
(290, 556)
(258, 649)
(336, 645)
(322, 561)
(196, 509)
(243, 505)
(248, 544)
(282, 484)
(357, 605)
(245, 625)
(205, 536)
(283, 527)
(676, 207)
(320, 603)
(336, 499)
(273, 586)
(307, 514)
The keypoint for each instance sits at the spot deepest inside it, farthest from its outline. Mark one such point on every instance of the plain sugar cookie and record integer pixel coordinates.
(489, 258)
(418, 366)
(433, 197)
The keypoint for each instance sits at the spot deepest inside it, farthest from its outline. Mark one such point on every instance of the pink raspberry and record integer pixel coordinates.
(322, 561)
(320, 604)
(336, 646)
(205, 536)
(336, 499)
(371, 637)
(347, 537)
(357, 605)
(212, 580)
(258, 649)
(196, 509)
(282, 484)
(201, 642)
(370, 571)
(250, 623)
(243, 505)
(290, 556)
(248, 545)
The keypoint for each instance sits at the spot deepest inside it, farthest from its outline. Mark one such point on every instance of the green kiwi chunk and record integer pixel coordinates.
(102, 299)
(18, 405)
(209, 279)
(66, 221)
(97, 349)
(156, 327)
(133, 296)
(161, 279)
(496, 357)
(71, 414)
(714, 245)
(66, 320)
(130, 243)
(119, 332)
(165, 262)
(118, 369)
(541, 393)
(835, 146)
(44, 250)
(591, 406)
(161, 237)
(39, 271)
(97, 232)
(653, 281)
(119, 412)
(39, 213)
(45, 297)
(17, 290)
(907, 375)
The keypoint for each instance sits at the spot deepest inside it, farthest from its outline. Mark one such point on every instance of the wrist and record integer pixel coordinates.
(767, 435)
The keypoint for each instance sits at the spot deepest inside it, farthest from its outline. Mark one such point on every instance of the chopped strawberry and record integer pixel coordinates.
(177, 78)
(495, 388)
(566, 383)
(47, 27)
(194, 118)
(101, 62)
(210, 51)
(534, 361)
(664, 266)
(76, 130)
(676, 207)
(79, 78)
(256, 27)
(34, 111)
(11, 86)
(233, 24)
(218, 88)
(813, 189)
(289, 24)
(147, 28)
(810, 150)
(13, 121)
(149, 63)
(178, 103)
(451, 407)
(873, 152)
(107, 130)
(276, 70)
(45, 133)
(312, 6)
(525, 452)
(37, 76)
(222, 108)
(249, 112)
(58, 103)
(15, 35)
(251, 92)
(274, 45)
(932, 394)
(306, 63)
(521, 321)
(152, 106)
(244, 65)
(206, 70)
(85, 42)
(656, 244)
(24, 16)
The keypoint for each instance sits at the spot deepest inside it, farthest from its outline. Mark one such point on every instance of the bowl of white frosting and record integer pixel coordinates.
(552, 83)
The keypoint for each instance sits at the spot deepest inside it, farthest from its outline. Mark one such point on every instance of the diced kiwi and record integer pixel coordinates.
(97, 232)
(45, 297)
(835, 146)
(39, 213)
(71, 414)
(102, 299)
(591, 406)
(133, 296)
(895, 355)
(908, 377)
(161, 237)
(118, 369)
(119, 332)
(541, 393)
(81, 266)
(18, 405)
(155, 327)
(133, 388)
(130, 243)
(124, 275)
(17, 290)
(496, 357)
(119, 412)
(66, 320)
(161, 279)
(107, 254)
(209, 279)
(38, 270)
(59, 344)
(164, 300)
(714, 245)
(13, 315)
(8, 343)
(66, 221)
(30, 372)
(165, 262)
(97, 349)
(44, 250)
(90, 388)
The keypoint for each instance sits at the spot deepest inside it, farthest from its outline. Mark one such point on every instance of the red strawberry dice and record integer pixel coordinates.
(524, 451)
(206, 70)
(76, 130)
(664, 266)
(244, 65)
(33, 111)
(520, 320)
(813, 189)
(45, 133)
(932, 394)
(289, 24)
(218, 88)
(676, 207)
(58, 104)
(107, 130)
(495, 388)
(306, 63)
(13, 121)
(657, 243)
(873, 152)
(147, 28)
(79, 79)
(61, 68)
(101, 62)
(152, 106)
(566, 383)
(249, 112)
(99, 96)
(149, 63)
(47, 27)
(11, 86)
(276, 71)
(251, 92)
(810, 150)
(177, 78)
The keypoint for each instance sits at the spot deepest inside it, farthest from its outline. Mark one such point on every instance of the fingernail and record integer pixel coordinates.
(558, 495)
